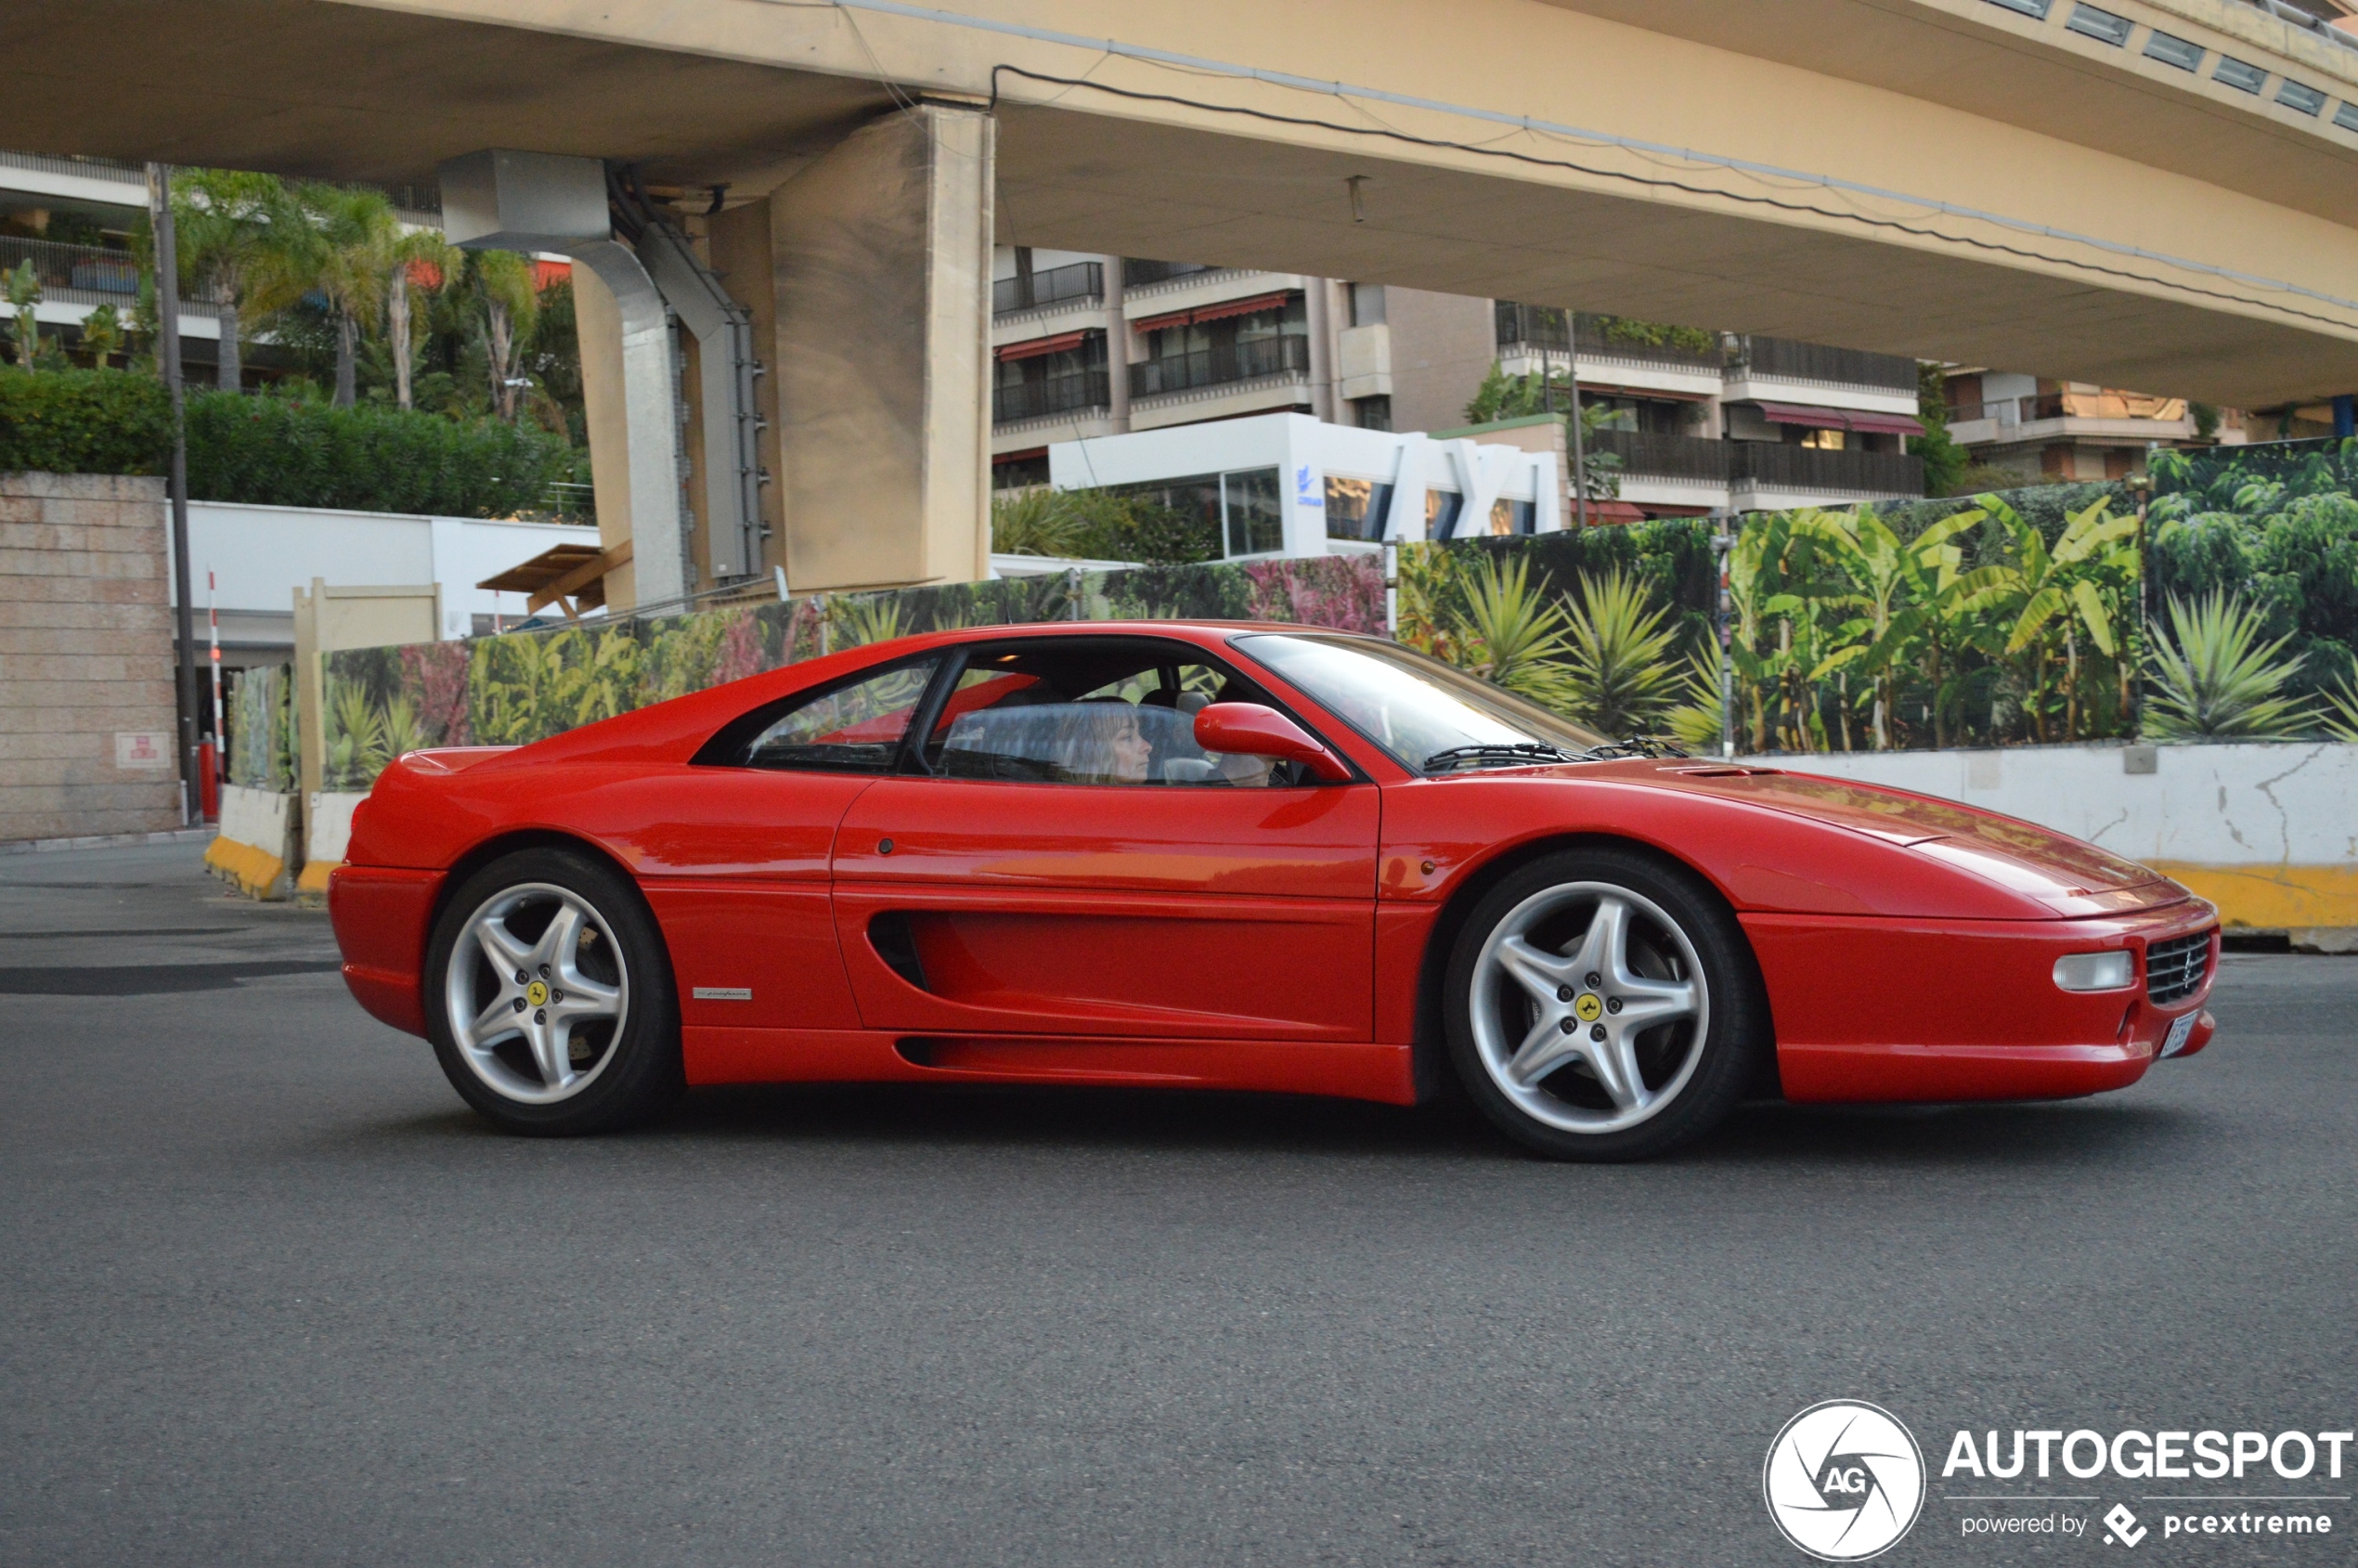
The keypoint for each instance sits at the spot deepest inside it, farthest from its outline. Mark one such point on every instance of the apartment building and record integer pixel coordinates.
(1695, 421)
(2041, 429)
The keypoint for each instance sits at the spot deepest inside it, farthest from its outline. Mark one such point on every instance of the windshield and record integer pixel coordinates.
(1428, 717)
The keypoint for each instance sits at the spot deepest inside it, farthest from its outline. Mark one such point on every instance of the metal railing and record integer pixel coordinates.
(1812, 468)
(1646, 455)
(1065, 394)
(1549, 329)
(1220, 364)
(1079, 281)
(1817, 362)
(91, 269)
(1139, 271)
(2306, 19)
(92, 168)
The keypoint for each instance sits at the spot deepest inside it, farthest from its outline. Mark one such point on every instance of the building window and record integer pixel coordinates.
(1029, 385)
(1227, 348)
(1513, 516)
(1357, 508)
(1824, 440)
(1241, 509)
(1367, 304)
(1372, 413)
(1440, 513)
(1019, 471)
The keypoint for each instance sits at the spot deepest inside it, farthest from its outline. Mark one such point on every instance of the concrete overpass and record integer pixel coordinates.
(2153, 193)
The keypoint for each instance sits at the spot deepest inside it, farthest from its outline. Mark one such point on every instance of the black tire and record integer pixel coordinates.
(630, 1068)
(1689, 1075)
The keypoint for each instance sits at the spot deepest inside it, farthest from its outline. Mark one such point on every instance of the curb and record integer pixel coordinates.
(105, 841)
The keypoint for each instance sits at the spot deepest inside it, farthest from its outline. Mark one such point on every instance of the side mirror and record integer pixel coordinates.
(1251, 730)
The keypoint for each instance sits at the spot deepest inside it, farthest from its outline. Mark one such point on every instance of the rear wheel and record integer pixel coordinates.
(1603, 1004)
(549, 998)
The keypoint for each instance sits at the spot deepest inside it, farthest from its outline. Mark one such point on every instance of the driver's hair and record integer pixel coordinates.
(1083, 747)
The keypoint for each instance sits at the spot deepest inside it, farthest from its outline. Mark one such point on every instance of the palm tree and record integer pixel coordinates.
(424, 251)
(2057, 594)
(510, 305)
(349, 252)
(241, 233)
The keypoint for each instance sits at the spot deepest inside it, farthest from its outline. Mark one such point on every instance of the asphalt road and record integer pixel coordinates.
(268, 1294)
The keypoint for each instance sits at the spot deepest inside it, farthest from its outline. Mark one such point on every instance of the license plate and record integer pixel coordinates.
(2175, 1040)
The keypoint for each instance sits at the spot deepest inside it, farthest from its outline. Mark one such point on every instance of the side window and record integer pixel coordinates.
(856, 727)
(1091, 713)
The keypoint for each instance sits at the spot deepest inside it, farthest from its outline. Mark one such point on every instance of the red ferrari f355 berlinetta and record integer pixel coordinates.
(1221, 856)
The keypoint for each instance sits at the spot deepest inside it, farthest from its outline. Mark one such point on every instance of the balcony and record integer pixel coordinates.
(1058, 285)
(1138, 271)
(1220, 365)
(2121, 415)
(1542, 329)
(1071, 393)
(1784, 359)
(1647, 456)
(1768, 463)
(81, 270)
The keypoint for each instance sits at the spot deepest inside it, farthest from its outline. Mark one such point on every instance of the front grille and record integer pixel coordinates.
(2174, 970)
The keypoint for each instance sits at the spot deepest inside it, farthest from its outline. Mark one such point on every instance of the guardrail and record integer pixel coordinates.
(1549, 329)
(92, 268)
(1220, 365)
(1814, 468)
(1139, 271)
(1065, 394)
(1647, 455)
(1079, 281)
(1817, 362)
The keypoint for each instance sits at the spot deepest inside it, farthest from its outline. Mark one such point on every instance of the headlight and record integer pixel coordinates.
(2094, 971)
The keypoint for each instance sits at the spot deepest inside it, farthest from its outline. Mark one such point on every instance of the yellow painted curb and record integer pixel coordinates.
(2274, 898)
(256, 872)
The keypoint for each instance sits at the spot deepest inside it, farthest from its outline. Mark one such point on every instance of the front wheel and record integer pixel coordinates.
(549, 997)
(1603, 1004)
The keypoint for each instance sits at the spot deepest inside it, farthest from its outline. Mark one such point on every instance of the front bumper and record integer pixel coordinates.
(1883, 1010)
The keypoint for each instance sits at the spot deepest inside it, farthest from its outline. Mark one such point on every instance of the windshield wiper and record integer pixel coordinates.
(1635, 746)
(1500, 751)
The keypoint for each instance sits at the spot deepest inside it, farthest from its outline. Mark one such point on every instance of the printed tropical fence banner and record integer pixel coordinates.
(2027, 618)
(261, 733)
(2252, 562)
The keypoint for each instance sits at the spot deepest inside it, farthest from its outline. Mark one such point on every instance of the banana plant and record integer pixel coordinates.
(1910, 594)
(2049, 596)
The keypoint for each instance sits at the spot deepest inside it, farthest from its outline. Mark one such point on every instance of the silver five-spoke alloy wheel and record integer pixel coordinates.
(538, 992)
(1589, 1009)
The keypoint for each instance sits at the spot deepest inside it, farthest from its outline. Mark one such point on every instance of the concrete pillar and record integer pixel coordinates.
(881, 259)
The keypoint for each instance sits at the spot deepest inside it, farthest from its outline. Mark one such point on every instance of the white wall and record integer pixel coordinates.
(1305, 451)
(2268, 832)
(2212, 804)
(259, 555)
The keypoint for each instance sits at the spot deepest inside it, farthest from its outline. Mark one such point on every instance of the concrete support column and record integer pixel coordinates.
(1117, 350)
(629, 401)
(881, 257)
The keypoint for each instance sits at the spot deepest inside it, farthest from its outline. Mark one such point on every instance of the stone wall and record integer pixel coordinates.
(86, 742)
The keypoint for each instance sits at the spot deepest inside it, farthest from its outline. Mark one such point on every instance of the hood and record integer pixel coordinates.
(2065, 874)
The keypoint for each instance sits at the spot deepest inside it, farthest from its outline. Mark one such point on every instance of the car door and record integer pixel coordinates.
(732, 851)
(1012, 880)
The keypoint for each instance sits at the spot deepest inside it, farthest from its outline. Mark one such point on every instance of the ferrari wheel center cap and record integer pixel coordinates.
(537, 994)
(1589, 1007)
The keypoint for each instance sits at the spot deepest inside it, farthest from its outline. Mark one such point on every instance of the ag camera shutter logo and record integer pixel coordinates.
(1843, 1481)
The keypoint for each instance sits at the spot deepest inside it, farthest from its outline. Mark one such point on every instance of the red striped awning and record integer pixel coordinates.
(1840, 419)
(1038, 346)
(1224, 309)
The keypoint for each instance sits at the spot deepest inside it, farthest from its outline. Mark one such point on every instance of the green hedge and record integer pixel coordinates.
(277, 451)
(82, 422)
